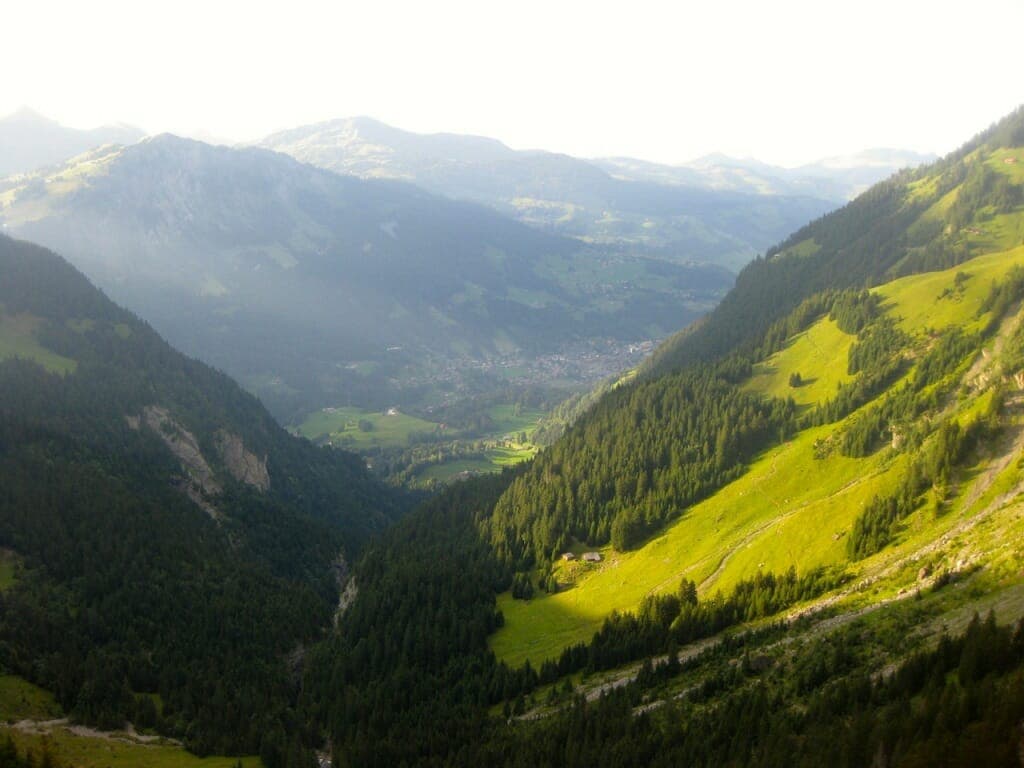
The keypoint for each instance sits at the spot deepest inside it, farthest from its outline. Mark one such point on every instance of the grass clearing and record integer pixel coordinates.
(18, 339)
(916, 301)
(802, 250)
(93, 752)
(506, 441)
(390, 429)
(508, 422)
(819, 355)
(21, 700)
(769, 519)
(1008, 161)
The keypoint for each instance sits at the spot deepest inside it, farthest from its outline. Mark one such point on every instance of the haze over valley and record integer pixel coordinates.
(487, 428)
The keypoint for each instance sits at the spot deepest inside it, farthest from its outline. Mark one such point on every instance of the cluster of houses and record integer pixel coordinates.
(589, 557)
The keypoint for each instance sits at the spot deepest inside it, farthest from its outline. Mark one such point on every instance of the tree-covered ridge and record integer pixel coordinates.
(897, 227)
(408, 677)
(958, 704)
(635, 461)
(650, 449)
(129, 367)
(130, 587)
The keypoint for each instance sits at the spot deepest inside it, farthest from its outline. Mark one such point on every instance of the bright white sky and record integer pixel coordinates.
(786, 81)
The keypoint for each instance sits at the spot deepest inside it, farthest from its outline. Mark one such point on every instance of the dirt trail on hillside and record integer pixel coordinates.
(127, 736)
(769, 524)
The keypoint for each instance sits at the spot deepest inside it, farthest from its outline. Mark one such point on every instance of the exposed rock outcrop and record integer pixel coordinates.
(346, 585)
(243, 465)
(200, 483)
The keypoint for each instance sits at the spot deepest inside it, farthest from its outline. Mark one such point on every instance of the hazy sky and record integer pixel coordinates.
(783, 81)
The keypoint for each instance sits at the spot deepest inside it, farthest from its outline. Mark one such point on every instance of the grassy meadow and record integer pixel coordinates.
(792, 508)
(502, 443)
(17, 339)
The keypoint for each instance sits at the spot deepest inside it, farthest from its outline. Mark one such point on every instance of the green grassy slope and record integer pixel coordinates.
(18, 339)
(818, 355)
(791, 508)
(114, 751)
(964, 205)
(20, 700)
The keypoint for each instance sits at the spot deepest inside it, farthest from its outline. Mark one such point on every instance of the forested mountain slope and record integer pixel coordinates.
(172, 544)
(843, 461)
(929, 218)
(299, 281)
(701, 412)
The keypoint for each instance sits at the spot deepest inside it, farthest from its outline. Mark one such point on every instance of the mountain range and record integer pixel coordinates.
(688, 219)
(29, 141)
(286, 275)
(840, 178)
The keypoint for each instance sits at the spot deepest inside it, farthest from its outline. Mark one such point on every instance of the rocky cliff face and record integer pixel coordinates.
(199, 480)
(243, 465)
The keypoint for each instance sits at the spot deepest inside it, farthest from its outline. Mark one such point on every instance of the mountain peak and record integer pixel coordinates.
(26, 114)
(30, 141)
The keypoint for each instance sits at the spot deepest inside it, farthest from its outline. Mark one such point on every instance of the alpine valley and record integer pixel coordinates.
(316, 289)
(792, 536)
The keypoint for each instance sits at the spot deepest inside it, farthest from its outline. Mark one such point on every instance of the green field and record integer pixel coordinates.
(451, 469)
(341, 426)
(818, 354)
(117, 752)
(20, 700)
(498, 456)
(507, 422)
(790, 508)
(502, 445)
(17, 339)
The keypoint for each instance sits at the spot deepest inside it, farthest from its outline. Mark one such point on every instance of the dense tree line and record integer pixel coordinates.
(408, 676)
(637, 460)
(664, 622)
(957, 705)
(900, 409)
(983, 188)
(878, 522)
(1001, 296)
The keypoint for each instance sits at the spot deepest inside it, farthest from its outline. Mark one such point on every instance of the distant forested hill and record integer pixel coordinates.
(172, 542)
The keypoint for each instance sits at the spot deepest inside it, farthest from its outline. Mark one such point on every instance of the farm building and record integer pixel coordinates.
(592, 557)
(568, 556)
